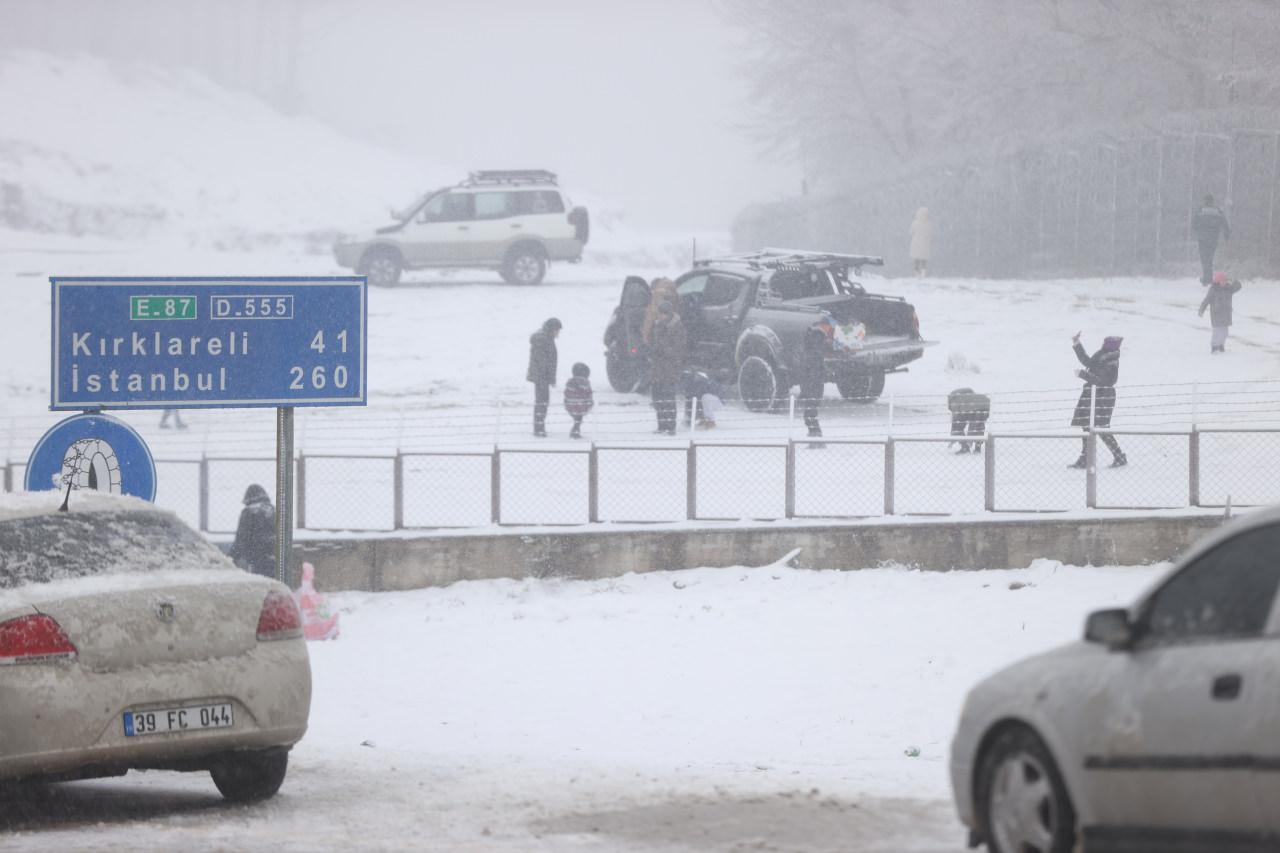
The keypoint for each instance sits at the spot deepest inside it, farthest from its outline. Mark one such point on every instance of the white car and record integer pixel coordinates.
(127, 641)
(515, 222)
(1159, 732)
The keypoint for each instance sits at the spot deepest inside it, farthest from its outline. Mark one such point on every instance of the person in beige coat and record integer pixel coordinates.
(921, 237)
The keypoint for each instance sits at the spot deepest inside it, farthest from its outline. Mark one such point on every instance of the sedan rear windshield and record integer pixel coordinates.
(43, 548)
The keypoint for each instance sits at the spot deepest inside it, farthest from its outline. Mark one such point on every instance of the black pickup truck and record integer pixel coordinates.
(746, 316)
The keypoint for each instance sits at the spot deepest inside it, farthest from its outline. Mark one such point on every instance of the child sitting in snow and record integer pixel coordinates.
(578, 398)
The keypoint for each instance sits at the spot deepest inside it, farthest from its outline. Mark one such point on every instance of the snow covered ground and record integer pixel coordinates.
(707, 710)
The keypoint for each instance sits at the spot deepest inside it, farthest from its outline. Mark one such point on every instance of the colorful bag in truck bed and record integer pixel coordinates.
(845, 337)
(317, 622)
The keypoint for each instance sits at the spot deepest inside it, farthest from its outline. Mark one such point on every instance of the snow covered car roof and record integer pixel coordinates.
(98, 535)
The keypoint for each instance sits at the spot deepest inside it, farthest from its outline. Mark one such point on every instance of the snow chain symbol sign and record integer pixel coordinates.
(96, 452)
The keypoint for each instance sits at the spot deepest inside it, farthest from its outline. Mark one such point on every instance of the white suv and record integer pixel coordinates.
(514, 221)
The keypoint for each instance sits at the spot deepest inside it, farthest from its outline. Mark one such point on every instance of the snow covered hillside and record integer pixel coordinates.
(130, 152)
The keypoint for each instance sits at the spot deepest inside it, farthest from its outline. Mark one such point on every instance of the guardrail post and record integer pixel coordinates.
(495, 486)
(989, 474)
(1091, 469)
(888, 476)
(204, 493)
(1193, 465)
(300, 498)
(397, 490)
(791, 478)
(691, 482)
(593, 484)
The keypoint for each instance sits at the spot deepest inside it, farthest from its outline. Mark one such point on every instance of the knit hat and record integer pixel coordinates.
(1219, 278)
(552, 325)
(582, 370)
(1112, 343)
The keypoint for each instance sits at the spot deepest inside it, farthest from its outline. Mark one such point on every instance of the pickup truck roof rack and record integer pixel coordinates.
(511, 176)
(775, 259)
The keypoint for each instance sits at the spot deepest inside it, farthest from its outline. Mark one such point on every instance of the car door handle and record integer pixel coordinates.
(1227, 687)
(516, 225)
(464, 227)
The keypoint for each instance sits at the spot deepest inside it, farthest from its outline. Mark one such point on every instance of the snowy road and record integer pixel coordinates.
(709, 710)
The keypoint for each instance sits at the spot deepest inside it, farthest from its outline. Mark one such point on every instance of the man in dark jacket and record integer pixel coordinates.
(813, 377)
(1218, 301)
(254, 548)
(667, 354)
(1207, 223)
(1098, 397)
(542, 371)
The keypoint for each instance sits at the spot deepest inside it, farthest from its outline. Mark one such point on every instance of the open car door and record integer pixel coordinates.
(625, 357)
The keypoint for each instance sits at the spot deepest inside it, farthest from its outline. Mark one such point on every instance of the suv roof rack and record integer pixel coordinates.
(511, 176)
(774, 259)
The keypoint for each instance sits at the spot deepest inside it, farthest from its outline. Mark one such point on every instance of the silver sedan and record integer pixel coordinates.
(1159, 731)
(129, 642)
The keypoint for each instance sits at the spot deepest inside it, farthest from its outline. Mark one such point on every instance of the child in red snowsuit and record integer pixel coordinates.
(578, 398)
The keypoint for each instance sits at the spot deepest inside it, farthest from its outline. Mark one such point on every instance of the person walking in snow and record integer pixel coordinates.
(175, 415)
(813, 377)
(1097, 400)
(1218, 301)
(254, 548)
(542, 371)
(921, 240)
(668, 354)
(1207, 223)
(578, 398)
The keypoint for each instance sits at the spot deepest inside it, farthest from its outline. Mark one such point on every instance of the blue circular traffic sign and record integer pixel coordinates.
(93, 452)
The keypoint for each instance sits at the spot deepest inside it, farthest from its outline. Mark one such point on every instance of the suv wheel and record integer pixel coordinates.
(757, 384)
(860, 387)
(382, 268)
(525, 265)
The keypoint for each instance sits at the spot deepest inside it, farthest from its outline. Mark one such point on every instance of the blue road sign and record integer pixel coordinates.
(92, 452)
(149, 343)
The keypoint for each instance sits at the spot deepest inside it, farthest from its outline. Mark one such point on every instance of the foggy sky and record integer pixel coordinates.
(633, 102)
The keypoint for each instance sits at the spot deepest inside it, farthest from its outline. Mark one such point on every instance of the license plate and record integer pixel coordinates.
(188, 719)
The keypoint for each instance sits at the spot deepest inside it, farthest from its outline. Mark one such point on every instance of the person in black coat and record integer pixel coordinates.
(254, 548)
(1218, 301)
(542, 371)
(812, 374)
(1207, 223)
(1098, 397)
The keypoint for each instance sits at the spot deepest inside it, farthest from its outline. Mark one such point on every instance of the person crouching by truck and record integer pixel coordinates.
(969, 413)
(702, 393)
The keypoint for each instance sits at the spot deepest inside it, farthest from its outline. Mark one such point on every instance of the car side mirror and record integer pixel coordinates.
(1110, 628)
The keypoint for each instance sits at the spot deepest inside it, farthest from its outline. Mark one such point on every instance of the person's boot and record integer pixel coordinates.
(576, 432)
(1079, 463)
(1119, 461)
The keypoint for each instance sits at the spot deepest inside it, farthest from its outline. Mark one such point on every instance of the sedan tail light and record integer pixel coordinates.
(34, 639)
(279, 619)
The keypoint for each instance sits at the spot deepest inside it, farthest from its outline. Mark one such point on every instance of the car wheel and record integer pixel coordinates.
(382, 268)
(525, 265)
(757, 384)
(247, 776)
(1023, 803)
(624, 372)
(860, 387)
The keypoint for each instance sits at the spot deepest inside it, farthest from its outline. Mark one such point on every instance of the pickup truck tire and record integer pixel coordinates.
(757, 384)
(525, 264)
(861, 387)
(625, 374)
(382, 266)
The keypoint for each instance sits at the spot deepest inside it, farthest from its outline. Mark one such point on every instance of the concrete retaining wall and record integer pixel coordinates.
(398, 563)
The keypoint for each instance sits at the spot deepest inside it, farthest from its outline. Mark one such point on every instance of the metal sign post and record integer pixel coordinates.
(284, 495)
